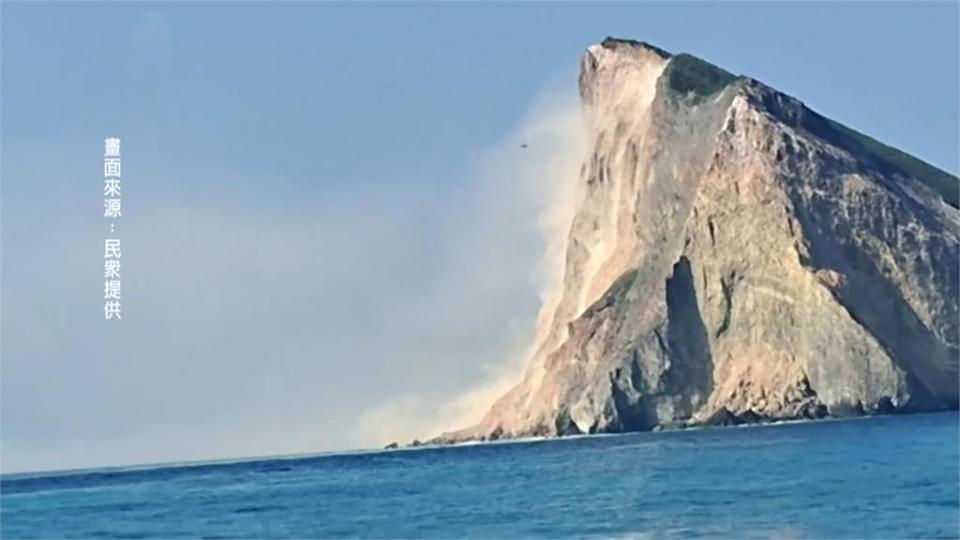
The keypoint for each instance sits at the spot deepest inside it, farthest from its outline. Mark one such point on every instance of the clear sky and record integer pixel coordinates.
(329, 231)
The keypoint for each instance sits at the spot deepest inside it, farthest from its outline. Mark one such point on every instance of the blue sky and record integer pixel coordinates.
(329, 228)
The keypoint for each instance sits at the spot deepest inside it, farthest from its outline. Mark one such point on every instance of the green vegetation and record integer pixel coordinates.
(944, 183)
(688, 74)
(622, 284)
(615, 294)
(612, 43)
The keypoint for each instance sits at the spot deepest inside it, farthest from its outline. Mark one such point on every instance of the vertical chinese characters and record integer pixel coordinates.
(111, 246)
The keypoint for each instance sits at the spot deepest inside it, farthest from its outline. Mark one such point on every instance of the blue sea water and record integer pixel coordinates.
(893, 477)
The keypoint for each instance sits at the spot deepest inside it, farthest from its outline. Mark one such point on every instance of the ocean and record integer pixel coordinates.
(890, 476)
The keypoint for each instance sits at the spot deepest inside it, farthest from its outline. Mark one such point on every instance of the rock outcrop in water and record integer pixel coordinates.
(736, 257)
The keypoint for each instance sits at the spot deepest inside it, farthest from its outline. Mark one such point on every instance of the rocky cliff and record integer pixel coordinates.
(734, 257)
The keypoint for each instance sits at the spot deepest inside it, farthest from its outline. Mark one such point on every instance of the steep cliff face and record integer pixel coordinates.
(735, 256)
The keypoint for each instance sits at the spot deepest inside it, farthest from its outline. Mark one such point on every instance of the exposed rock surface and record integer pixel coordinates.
(736, 257)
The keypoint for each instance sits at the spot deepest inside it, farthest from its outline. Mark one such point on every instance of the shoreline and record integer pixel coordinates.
(226, 462)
